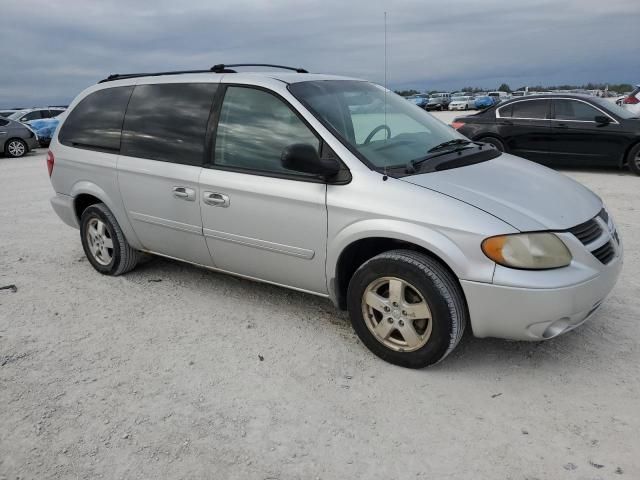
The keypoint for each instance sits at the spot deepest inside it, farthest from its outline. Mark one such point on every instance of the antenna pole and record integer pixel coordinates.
(385, 83)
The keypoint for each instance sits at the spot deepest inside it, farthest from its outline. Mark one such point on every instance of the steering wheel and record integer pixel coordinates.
(376, 130)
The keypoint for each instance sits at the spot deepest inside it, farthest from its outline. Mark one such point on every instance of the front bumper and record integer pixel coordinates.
(518, 313)
(32, 142)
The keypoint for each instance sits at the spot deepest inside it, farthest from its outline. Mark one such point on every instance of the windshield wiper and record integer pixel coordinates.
(440, 149)
(457, 141)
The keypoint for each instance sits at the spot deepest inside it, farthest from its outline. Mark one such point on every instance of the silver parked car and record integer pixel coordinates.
(16, 139)
(335, 187)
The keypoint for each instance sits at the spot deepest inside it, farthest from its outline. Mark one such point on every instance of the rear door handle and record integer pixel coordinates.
(184, 193)
(216, 199)
(561, 125)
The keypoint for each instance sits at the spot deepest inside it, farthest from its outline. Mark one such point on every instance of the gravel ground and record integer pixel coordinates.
(176, 372)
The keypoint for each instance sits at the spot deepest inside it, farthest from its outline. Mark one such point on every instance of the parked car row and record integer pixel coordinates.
(559, 129)
(23, 129)
(457, 100)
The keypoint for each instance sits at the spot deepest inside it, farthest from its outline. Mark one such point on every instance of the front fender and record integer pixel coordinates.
(460, 250)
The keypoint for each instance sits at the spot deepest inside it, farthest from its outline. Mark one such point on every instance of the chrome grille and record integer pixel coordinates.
(587, 232)
(605, 253)
(591, 230)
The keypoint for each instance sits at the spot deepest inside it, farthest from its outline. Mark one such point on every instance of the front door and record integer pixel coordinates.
(261, 220)
(578, 140)
(526, 127)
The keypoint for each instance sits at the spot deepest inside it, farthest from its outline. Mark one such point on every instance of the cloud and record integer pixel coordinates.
(67, 45)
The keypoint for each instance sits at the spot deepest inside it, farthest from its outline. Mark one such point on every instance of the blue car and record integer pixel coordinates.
(484, 101)
(44, 128)
(420, 100)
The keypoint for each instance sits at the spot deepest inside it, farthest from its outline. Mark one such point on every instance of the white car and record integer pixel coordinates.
(462, 103)
(632, 101)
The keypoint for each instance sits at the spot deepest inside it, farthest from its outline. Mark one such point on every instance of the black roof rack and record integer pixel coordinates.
(220, 68)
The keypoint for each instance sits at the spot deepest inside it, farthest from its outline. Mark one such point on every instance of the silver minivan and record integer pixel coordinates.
(335, 187)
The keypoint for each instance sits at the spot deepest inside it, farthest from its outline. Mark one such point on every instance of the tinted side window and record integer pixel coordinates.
(168, 122)
(35, 115)
(574, 110)
(4, 123)
(96, 122)
(254, 128)
(506, 111)
(536, 109)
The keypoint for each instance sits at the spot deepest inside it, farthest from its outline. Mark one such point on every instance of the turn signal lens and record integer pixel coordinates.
(528, 251)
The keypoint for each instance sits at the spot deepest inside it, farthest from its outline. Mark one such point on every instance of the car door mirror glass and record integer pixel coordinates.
(304, 158)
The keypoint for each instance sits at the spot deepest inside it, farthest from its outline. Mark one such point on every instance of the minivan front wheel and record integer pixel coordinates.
(104, 242)
(407, 308)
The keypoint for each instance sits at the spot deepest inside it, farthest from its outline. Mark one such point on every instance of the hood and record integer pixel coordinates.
(524, 194)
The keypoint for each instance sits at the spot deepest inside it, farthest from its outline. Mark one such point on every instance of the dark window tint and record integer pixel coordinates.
(506, 111)
(536, 109)
(96, 122)
(55, 113)
(35, 115)
(574, 110)
(254, 129)
(168, 122)
(4, 123)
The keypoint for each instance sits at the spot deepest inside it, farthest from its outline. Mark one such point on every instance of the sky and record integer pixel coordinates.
(50, 50)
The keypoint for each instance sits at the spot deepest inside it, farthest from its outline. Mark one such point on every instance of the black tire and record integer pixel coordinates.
(123, 257)
(633, 159)
(11, 152)
(496, 142)
(439, 288)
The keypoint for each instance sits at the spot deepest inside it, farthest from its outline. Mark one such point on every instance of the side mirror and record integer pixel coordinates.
(602, 120)
(302, 157)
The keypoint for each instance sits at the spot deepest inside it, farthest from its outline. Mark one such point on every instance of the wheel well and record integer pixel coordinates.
(627, 152)
(362, 250)
(83, 201)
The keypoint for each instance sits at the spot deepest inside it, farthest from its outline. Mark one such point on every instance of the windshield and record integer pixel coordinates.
(385, 137)
(459, 99)
(613, 108)
(16, 115)
(6, 113)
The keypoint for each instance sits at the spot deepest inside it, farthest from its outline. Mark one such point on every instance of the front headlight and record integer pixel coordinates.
(530, 251)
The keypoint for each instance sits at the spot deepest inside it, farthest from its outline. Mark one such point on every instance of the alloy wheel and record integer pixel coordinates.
(397, 314)
(16, 148)
(99, 241)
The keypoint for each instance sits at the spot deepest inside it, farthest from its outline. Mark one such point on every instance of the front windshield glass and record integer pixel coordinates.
(386, 130)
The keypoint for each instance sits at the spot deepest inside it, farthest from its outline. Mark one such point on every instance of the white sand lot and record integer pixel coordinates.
(156, 374)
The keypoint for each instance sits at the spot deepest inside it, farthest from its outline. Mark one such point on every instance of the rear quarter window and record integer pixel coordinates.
(96, 122)
(168, 122)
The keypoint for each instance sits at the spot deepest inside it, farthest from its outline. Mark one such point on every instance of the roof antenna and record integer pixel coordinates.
(385, 176)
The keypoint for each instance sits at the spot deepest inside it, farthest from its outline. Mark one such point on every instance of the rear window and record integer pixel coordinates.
(96, 122)
(168, 122)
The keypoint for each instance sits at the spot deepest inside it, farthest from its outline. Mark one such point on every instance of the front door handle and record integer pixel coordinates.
(216, 199)
(184, 193)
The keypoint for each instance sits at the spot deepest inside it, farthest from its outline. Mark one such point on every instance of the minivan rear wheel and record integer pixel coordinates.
(407, 308)
(104, 242)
